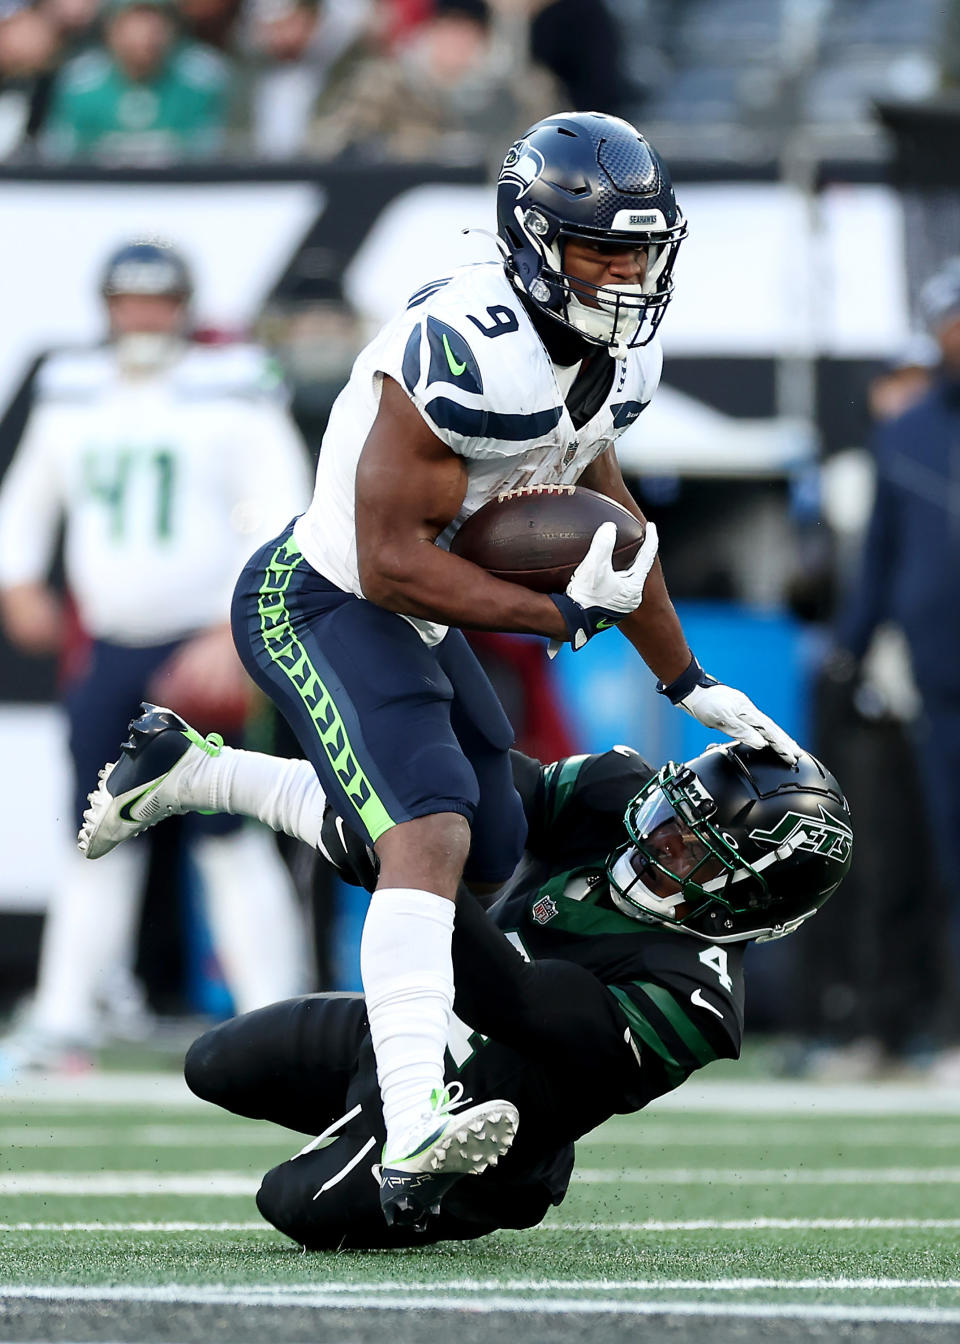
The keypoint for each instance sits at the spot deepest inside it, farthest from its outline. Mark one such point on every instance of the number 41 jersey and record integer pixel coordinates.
(468, 356)
(165, 483)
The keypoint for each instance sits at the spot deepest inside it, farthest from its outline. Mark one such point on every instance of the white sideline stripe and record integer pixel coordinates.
(239, 1184)
(801, 1100)
(361, 1296)
(650, 1225)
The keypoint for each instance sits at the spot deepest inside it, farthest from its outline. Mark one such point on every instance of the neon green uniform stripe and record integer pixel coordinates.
(292, 659)
(698, 1045)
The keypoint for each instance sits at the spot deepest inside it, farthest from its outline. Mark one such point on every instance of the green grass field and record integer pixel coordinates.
(773, 1203)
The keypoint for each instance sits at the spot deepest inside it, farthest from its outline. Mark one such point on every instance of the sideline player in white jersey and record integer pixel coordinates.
(166, 460)
(498, 376)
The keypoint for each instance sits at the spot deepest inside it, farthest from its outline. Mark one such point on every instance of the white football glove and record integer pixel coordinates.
(599, 596)
(731, 712)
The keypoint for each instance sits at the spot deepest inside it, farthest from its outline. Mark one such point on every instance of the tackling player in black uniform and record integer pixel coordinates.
(609, 969)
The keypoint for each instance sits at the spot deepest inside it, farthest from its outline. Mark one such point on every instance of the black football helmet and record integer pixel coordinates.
(733, 845)
(590, 176)
(146, 266)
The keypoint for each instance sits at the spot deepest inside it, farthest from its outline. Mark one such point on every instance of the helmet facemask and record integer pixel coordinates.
(679, 868)
(618, 317)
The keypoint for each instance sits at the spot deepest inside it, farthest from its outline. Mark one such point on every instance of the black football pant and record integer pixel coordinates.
(557, 1052)
(304, 1064)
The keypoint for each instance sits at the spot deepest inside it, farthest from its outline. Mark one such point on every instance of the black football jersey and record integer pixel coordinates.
(681, 997)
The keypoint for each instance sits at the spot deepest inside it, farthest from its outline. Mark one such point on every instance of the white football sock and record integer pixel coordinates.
(286, 795)
(89, 931)
(407, 971)
(255, 920)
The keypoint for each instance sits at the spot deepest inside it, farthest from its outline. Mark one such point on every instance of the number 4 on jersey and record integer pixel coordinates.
(716, 959)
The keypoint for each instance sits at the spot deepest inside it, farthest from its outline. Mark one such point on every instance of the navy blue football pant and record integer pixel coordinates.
(395, 729)
(100, 702)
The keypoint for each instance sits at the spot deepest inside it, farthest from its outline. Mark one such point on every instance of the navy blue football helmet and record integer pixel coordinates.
(147, 266)
(733, 845)
(590, 176)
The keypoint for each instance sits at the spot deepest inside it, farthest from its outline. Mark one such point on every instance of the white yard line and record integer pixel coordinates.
(650, 1225)
(639, 1132)
(797, 1099)
(454, 1297)
(761, 1225)
(769, 1176)
(30, 1135)
(257, 1225)
(228, 1183)
(130, 1183)
(137, 1089)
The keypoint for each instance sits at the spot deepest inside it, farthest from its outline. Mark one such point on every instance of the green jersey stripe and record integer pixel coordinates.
(292, 659)
(565, 782)
(701, 1049)
(559, 780)
(640, 1026)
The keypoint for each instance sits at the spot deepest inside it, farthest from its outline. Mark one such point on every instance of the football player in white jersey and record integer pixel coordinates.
(165, 460)
(505, 374)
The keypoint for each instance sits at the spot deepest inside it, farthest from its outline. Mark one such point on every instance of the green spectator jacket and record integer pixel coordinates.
(99, 113)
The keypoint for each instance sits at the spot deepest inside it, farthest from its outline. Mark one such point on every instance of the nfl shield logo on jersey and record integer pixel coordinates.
(569, 454)
(543, 910)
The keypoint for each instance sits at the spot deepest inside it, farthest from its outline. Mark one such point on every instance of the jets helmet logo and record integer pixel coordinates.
(828, 836)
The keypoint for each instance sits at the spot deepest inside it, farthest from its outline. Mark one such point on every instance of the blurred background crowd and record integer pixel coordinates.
(157, 81)
(313, 161)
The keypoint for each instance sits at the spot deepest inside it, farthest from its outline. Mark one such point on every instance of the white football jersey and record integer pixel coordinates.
(165, 485)
(469, 358)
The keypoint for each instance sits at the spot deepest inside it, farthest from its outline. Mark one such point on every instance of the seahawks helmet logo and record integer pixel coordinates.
(522, 164)
(828, 837)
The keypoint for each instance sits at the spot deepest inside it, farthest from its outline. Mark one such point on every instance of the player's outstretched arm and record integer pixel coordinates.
(653, 628)
(716, 705)
(655, 631)
(410, 485)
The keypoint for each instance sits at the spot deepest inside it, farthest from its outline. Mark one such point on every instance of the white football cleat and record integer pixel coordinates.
(441, 1148)
(141, 788)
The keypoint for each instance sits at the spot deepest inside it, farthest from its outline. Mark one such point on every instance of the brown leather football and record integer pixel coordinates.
(538, 535)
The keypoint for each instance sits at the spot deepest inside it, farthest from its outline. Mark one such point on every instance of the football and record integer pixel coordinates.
(538, 535)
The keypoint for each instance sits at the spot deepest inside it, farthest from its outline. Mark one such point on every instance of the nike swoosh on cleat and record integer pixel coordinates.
(697, 998)
(456, 368)
(124, 812)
